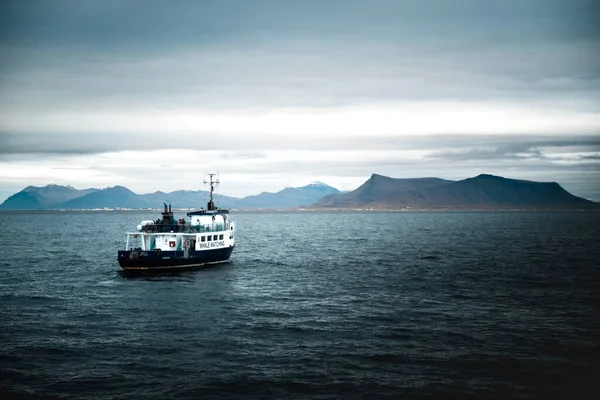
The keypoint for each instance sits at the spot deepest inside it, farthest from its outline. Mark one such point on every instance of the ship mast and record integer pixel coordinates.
(211, 204)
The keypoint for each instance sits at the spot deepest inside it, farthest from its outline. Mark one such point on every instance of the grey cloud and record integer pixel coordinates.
(254, 146)
(60, 143)
(45, 143)
(320, 75)
(525, 149)
(103, 54)
(155, 23)
(475, 145)
(592, 157)
(499, 152)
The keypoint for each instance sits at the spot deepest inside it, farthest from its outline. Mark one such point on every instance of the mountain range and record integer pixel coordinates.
(484, 192)
(66, 197)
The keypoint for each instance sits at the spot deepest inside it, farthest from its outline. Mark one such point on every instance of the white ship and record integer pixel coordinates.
(169, 244)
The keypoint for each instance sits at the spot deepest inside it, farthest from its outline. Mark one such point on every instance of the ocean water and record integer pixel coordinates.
(313, 305)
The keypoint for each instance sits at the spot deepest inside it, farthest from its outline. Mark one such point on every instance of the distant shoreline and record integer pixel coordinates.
(310, 210)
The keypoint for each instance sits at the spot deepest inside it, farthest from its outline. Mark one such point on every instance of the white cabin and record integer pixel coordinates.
(203, 232)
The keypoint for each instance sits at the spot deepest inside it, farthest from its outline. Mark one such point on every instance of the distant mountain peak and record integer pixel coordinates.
(51, 186)
(318, 184)
(497, 178)
(117, 188)
(311, 185)
(54, 185)
(488, 176)
(42, 197)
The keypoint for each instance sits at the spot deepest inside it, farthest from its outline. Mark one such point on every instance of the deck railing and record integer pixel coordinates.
(187, 228)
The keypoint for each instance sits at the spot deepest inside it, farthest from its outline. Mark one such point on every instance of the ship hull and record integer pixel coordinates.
(171, 261)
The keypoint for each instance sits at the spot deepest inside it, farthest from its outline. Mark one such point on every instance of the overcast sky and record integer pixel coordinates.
(272, 93)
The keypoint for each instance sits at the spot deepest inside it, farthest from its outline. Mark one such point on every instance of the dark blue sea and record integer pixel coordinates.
(313, 305)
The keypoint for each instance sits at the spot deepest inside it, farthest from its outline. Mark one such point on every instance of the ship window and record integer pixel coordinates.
(203, 238)
(215, 237)
(208, 238)
(220, 237)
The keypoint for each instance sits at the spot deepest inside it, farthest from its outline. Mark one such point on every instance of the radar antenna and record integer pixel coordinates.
(212, 182)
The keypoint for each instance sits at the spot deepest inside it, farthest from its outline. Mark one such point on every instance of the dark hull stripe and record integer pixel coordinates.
(172, 260)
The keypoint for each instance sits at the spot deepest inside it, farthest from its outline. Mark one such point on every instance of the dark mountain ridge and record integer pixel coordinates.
(481, 192)
(489, 191)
